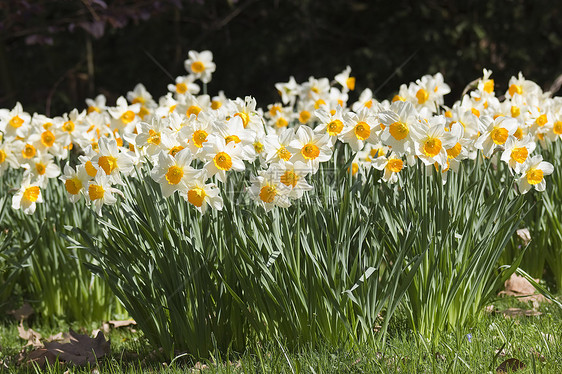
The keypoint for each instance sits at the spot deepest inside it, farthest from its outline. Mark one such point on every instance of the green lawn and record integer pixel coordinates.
(536, 341)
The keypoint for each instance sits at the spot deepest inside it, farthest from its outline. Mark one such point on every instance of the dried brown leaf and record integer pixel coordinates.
(33, 337)
(124, 323)
(511, 365)
(40, 357)
(520, 287)
(81, 348)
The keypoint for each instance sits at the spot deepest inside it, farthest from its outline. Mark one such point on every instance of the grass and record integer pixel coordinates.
(536, 341)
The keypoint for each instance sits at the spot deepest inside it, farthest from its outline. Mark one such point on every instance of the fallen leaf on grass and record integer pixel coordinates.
(521, 288)
(33, 337)
(511, 365)
(78, 350)
(517, 312)
(524, 235)
(125, 323)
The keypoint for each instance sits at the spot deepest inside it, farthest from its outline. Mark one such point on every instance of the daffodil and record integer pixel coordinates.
(75, 181)
(346, 80)
(201, 65)
(173, 172)
(202, 195)
(391, 166)
(532, 175)
(15, 122)
(516, 152)
(184, 85)
(310, 147)
(495, 133)
(222, 157)
(27, 196)
(360, 128)
(431, 141)
(398, 123)
(100, 192)
(268, 190)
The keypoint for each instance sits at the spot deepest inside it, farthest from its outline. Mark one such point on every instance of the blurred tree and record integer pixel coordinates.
(55, 53)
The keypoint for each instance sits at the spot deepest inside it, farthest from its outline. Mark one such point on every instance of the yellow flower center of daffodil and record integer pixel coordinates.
(557, 128)
(399, 130)
(181, 88)
(281, 122)
(199, 137)
(232, 138)
(268, 193)
(153, 137)
(455, 151)
(41, 168)
(47, 138)
(431, 147)
(68, 126)
(196, 196)
(223, 161)
(541, 120)
(310, 151)
(95, 192)
(499, 135)
(534, 176)
(16, 122)
(395, 165)
(350, 83)
(515, 89)
(73, 186)
(519, 154)
(90, 169)
(245, 118)
(515, 111)
(108, 164)
(31, 193)
(304, 116)
(422, 95)
(174, 174)
(194, 109)
(289, 178)
(128, 117)
(175, 150)
(28, 151)
(197, 67)
(334, 127)
(362, 130)
(284, 154)
(489, 86)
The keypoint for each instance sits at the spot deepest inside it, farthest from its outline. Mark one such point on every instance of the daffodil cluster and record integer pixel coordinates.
(192, 142)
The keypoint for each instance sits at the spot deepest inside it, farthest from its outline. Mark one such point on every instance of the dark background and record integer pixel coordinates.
(55, 53)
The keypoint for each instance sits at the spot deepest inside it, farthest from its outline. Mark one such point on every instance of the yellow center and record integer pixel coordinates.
(519, 154)
(395, 165)
(499, 135)
(95, 192)
(399, 130)
(319, 103)
(245, 118)
(534, 176)
(174, 174)
(28, 151)
(455, 151)
(41, 168)
(515, 111)
(2, 156)
(304, 116)
(334, 127)
(281, 122)
(541, 120)
(422, 96)
(73, 186)
(268, 193)
(68, 126)
(128, 117)
(181, 88)
(232, 138)
(283, 153)
(310, 151)
(258, 147)
(16, 122)
(362, 130)
(398, 98)
(369, 104)
(90, 169)
(476, 112)
(194, 109)
(489, 86)
(93, 109)
(215, 104)
(31, 193)
(432, 147)
(515, 89)
(175, 150)
(153, 137)
(108, 164)
(197, 67)
(223, 161)
(199, 137)
(350, 83)
(518, 133)
(557, 128)
(47, 138)
(289, 178)
(274, 110)
(196, 196)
